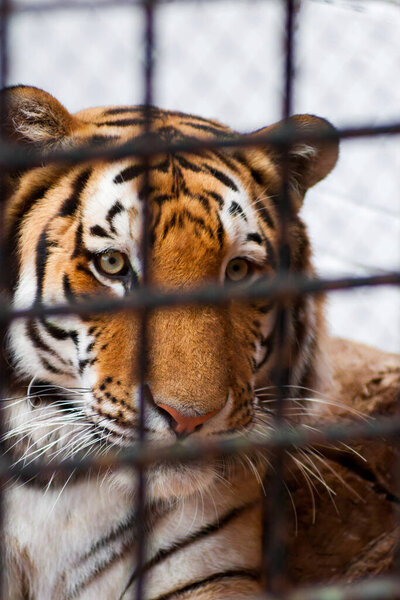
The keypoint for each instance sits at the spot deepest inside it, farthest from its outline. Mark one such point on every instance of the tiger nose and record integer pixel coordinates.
(183, 425)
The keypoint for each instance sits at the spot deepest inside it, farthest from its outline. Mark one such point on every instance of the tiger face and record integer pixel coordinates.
(75, 233)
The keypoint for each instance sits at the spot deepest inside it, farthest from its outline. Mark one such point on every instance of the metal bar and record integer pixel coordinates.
(148, 9)
(144, 454)
(15, 157)
(274, 289)
(75, 5)
(274, 513)
(3, 270)
(380, 588)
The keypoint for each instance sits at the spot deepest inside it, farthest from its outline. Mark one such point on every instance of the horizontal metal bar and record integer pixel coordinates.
(14, 156)
(379, 588)
(74, 5)
(281, 287)
(144, 454)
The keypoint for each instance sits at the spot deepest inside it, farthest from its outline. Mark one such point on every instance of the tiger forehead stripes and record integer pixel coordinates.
(75, 232)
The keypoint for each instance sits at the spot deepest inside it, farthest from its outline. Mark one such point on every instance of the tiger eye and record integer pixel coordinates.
(237, 269)
(112, 263)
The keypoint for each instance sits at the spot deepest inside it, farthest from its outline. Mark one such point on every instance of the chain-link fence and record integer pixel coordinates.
(203, 57)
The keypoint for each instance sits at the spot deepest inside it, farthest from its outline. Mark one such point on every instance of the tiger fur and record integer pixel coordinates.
(71, 383)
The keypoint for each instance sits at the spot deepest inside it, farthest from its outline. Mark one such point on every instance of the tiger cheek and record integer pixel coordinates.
(116, 352)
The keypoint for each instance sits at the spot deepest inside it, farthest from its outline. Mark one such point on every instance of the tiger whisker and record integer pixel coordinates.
(44, 449)
(61, 491)
(325, 462)
(324, 402)
(309, 483)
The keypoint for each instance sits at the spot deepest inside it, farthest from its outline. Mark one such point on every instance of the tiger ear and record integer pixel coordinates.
(309, 161)
(34, 117)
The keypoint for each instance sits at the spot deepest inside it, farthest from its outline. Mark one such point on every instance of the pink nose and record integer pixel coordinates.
(183, 424)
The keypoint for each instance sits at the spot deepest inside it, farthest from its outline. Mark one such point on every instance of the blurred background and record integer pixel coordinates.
(224, 59)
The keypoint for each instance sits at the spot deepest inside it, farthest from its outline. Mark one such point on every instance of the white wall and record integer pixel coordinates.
(224, 59)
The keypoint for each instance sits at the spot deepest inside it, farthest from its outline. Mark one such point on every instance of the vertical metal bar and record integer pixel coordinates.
(148, 9)
(274, 528)
(4, 14)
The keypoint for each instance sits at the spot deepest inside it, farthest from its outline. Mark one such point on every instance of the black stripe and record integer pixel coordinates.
(33, 333)
(163, 166)
(122, 123)
(204, 201)
(84, 269)
(99, 231)
(105, 541)
(42, 254)
(228, 162)
(191, 539)
(216, 197)
(197, 221)
(69, 294)
(254, 237)
(57, 332)
(78, 240)
(161, 198)
(264, 213)
(98, 568)
(82, 364)
(227, 181)
(195, 585)
(113, 211)
(268, 344)
(71, 204)
(257, 174)
(171, 223)
(120, 531)
(236, 209)
(130, 173)
(120, 110)
(220, 231)
(27, 203)
(186, 164)
(210, 129)
(50, 367)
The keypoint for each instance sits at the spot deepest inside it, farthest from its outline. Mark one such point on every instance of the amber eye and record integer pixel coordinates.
(237, 269)
(112, 263)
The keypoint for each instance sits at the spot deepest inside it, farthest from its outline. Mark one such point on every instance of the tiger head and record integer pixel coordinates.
(74, 232)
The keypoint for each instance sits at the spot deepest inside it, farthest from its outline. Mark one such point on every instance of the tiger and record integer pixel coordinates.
(72, 231)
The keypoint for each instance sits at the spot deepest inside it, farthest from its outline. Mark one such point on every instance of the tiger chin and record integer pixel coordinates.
(74, 232)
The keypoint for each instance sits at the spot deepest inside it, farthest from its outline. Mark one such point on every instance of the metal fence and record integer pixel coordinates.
(145, 299)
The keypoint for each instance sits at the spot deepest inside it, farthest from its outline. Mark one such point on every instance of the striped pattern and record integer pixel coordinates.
(207, 208)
